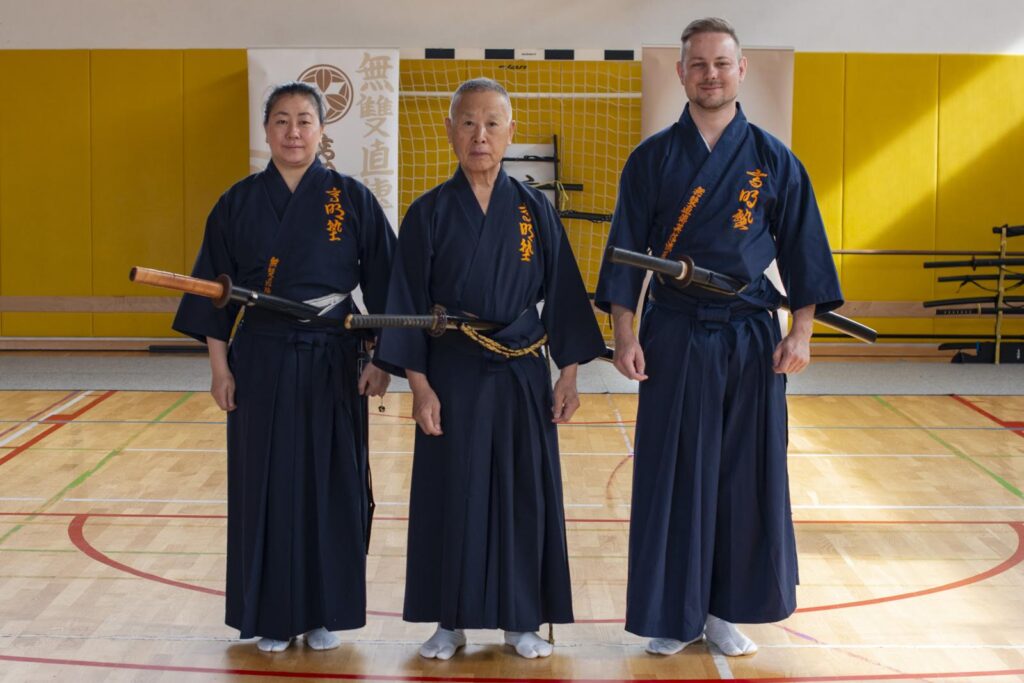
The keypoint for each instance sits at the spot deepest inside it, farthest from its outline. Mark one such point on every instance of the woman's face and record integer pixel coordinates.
(293, 131)
(480, 129)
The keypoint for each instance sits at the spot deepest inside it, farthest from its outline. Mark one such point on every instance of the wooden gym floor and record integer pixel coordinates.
(909, 517)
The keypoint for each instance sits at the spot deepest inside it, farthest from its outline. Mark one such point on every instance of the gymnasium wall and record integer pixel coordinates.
(109, 159)
(112, 158)
(912, 152)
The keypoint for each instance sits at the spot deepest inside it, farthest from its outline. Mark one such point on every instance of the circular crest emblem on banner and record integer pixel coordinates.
(336, 87)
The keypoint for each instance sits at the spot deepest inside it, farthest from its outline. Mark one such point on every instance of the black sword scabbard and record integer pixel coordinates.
(684, 272)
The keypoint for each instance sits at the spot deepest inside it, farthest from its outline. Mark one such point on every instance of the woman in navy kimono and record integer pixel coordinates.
(298, 495)
(486, 523)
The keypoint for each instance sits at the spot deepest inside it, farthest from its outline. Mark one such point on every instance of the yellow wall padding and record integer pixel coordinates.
(137, 146)
(216, 137)
(818, 118)
(981, 150)
(138, 198)
(818, 115)
(45, 241)
(926, 162)
(905, 152)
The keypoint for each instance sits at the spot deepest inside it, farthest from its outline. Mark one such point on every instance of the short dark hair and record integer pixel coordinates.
(295, 88)
(707, 25)
(478, 85)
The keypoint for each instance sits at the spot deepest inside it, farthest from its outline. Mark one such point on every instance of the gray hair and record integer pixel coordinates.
(708, 25)
(478, 85)
(295, 88)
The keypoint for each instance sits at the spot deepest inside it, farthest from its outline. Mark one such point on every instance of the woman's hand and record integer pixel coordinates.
(222, 382)
(222, 388)
(373, 381)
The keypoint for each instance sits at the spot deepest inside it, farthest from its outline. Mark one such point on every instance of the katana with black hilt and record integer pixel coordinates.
(991, 299)
(435, 323)
(222, 291)
(975, 262)
(684, 272)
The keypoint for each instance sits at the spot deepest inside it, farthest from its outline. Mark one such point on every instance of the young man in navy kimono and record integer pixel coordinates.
(711, 535)
(294, 393)
(486, 523)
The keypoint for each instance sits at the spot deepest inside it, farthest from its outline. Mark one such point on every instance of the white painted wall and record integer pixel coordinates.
(937, 26)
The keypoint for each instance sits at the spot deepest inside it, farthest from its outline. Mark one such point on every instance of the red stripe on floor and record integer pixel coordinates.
(67, 419)
(490, 679)
(1014, 426)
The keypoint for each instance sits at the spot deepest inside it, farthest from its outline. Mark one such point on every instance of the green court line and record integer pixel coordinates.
(954, 450)
(80, 479)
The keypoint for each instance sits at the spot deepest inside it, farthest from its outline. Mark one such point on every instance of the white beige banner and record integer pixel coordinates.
(361, 128)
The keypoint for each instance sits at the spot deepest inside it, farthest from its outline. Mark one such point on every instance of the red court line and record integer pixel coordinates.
(489, 679)
(32, 417)
(129, 515)
(566, 424)
(1015, 427)
(76, 532)
(1008, 563)
(65, 419)
(77, 525)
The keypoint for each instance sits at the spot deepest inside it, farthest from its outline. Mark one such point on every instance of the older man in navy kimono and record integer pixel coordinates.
(711, 534)
(486, 523)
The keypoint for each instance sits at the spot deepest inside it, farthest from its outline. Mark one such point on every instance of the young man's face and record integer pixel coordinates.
(711, 71)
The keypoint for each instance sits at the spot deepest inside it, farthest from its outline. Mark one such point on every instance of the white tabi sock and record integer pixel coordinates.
(271, 645)
(728, 638)
(443, 644)
(322, 639)
(668, 646)
(528, 644)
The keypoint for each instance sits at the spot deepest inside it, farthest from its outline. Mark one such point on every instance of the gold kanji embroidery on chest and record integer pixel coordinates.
(744, 216)
(526, 235)
(335, 214)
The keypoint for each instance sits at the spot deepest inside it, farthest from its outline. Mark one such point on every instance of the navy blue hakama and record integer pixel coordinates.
(487, 545)
(711, 528)
(297, 463)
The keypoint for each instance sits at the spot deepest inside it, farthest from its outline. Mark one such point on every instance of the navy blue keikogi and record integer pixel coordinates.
(487, 546)
(711, 529)
(297, 466)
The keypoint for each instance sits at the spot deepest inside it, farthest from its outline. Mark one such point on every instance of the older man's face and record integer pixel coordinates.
(479, 131)
(711, 71)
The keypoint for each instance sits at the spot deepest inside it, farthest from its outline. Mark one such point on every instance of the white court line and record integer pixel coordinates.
(183, 501)
(20, 500)
(720, 661)
(35, 423)
(618, 454)
(590, 506)
(215, 501)
(561, 644)
(622, 429)
(888, 646)
(871, 455)
(174, 450)
(908, 507)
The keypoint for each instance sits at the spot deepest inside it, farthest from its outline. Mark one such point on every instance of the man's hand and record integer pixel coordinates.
(566, 398)
(629, 357)
(793, 353)
(426, 407)
(373, 381)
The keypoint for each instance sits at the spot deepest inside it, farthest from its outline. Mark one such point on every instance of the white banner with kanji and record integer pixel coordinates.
(361, 127)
